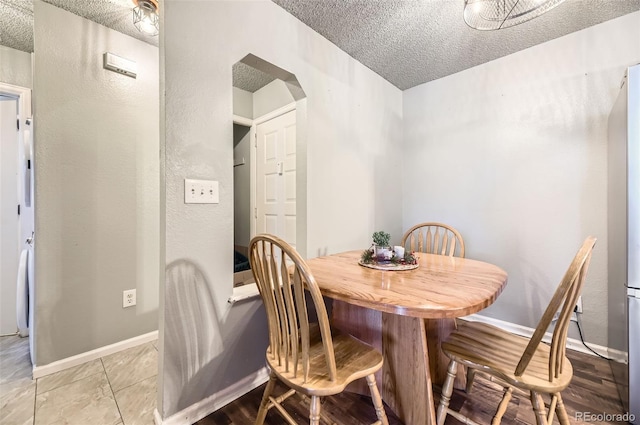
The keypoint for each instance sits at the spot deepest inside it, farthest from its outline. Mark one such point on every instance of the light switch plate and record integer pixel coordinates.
(201, 192)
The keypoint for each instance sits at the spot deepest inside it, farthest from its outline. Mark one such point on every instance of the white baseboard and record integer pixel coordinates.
(157, 419)
(57, 366)
(205, 407)
(572, 343)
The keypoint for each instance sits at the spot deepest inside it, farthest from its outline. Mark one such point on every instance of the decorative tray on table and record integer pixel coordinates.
(387, 265)
(386, 259)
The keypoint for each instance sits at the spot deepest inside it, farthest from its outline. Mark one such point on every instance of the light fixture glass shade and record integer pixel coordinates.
(145, 17)
(498, 14)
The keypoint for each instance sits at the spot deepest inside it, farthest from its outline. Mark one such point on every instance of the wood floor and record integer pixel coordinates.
(592, 390)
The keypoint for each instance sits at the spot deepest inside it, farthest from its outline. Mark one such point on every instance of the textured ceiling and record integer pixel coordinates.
(16, 19)
(16, 30)
(408, 42)
(114, 14)
(16, 24)
(248, 78)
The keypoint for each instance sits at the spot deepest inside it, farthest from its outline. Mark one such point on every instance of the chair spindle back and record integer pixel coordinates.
(565, 299)
(434, 238)
(282, 277)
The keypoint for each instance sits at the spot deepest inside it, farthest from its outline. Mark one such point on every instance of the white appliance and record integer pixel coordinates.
(22, 294)
(624, 239)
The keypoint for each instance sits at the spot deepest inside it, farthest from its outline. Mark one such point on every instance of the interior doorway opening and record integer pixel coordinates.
(269, 158)
(16, 214)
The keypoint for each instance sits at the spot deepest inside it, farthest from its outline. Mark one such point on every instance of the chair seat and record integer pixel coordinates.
(354, 360)
(498, 352)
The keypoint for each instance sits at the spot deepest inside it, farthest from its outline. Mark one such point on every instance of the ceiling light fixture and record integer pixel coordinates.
(498, 14)
(145, 16)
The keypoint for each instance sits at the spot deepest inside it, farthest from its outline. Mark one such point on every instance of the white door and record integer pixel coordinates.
(9, 230)
(276, 177)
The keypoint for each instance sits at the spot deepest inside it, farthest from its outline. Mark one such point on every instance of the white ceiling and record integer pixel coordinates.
(407, 42)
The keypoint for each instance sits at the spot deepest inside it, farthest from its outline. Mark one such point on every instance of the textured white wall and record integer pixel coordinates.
(353, 130)
(242, 103)
(271, 97)
(15, 67)
(96, 159)
(513, 154)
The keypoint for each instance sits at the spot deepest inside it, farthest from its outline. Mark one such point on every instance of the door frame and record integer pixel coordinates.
(254, 155)
(25, 142)
(301, 167)
(23, 95)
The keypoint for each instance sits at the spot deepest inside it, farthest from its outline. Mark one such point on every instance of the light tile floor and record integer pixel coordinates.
(119, 389)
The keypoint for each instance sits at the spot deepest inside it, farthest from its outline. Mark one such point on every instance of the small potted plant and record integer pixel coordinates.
(381, 245)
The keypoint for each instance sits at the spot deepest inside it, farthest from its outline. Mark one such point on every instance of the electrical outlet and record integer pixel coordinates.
(128, 298)
(578, 308)
(573, 318)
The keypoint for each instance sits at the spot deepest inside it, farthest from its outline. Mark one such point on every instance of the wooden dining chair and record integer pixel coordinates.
(441, 239)
(310, 358)
(519, 362)
(434, 238)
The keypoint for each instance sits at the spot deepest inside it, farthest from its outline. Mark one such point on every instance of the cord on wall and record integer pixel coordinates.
(582, 337)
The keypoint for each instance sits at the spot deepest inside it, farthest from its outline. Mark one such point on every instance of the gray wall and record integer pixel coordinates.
(353, 134)
(96, 159)
(242, 106)
(15, 67)
(242, 185)
(513, 154)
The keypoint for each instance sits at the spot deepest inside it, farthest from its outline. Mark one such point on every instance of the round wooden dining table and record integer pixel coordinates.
(406, 314)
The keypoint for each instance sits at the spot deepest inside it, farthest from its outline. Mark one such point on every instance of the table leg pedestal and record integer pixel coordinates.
(406, 382)
(405, 379)
(439, 330)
